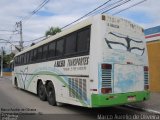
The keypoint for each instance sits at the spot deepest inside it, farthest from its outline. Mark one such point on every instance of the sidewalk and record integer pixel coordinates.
(153, 104)
(7, 77)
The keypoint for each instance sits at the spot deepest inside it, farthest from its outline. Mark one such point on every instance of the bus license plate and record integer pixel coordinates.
(131, 98)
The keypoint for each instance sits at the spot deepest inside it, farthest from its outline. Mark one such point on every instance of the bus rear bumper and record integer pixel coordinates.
(105, 100)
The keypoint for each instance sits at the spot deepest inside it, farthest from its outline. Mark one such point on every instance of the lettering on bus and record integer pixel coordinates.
(81, 61)
(59, 63)
(78, 61)
(113, 25)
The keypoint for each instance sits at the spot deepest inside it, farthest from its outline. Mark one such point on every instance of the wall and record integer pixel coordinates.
(154, 65)
(7, 72)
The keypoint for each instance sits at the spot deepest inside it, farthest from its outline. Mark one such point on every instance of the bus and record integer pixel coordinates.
(98, 62)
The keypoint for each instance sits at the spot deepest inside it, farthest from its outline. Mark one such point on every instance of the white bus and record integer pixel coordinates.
(98, 62)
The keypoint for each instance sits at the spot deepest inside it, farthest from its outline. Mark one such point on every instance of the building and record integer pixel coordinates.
(152, 36)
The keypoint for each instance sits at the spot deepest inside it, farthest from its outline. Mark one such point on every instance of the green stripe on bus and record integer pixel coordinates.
(106, 100)
(60, 79)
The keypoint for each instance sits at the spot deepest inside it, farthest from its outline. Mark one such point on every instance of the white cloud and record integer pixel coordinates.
(64, 12)
(149, 8)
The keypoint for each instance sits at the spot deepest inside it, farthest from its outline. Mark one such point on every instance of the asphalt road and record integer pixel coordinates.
(17, 104)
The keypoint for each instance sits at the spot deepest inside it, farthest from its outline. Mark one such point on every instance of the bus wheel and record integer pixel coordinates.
(51, 94)
(16, 83)
(41, 91)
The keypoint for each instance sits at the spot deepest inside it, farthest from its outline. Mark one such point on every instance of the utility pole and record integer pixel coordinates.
(19, 25)
(2, 62)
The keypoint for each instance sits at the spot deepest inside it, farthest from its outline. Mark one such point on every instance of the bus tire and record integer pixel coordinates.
(41, 91)
(51, 94)
(16, 83)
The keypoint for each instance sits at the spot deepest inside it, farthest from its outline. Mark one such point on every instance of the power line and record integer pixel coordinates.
(110, 5)
(8, 34)
(10, 42)
(40, 6)
(35, 11)
(45, 2)
(42, 37)
(10, 37)
(14, 29)
(70, 23)
(28, 40)
(116, 6)
(122, 2)
(19, 24)
(27, 18)
(6, 31)
(7, 41)
(86, 14)
(82, 17)
(129, 7)
(102, 10)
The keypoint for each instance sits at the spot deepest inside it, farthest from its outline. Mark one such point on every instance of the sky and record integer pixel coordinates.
(58, 13)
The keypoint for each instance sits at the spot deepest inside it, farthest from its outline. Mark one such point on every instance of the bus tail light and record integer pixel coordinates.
(146, 87)
(146, 78)
(106, 90)
(106, 78)
(146, 68)
(106, 66)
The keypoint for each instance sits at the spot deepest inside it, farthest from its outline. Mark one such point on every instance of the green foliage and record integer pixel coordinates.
(52, 31)
(7, 58)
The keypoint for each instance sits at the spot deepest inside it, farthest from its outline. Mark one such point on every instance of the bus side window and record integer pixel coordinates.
(25, 60)
(15, 61)
(27, 57)
(34, 55)
(31, 56)
(59, 47)
(20, 59)
(70, 45)
(52, 47)
(45, 52)
(83, 40)
(11, 64)
(39, 53)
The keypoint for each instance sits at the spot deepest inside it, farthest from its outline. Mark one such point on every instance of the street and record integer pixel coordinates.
(14, 100)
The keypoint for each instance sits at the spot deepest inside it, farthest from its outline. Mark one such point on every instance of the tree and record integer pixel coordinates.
(7, 58)
(52, 31)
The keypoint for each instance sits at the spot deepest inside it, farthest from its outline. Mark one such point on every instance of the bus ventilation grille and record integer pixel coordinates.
(146, 81)
(77, 88)
(106, 78)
